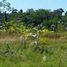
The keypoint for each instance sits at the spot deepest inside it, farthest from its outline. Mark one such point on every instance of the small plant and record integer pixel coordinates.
(41, 44)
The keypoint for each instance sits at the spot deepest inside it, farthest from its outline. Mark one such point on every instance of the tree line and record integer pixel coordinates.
(41, 18)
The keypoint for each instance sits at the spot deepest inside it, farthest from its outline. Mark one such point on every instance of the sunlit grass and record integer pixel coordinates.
(21, 52)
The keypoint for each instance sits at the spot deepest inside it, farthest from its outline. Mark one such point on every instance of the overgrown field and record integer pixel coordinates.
(46, 50)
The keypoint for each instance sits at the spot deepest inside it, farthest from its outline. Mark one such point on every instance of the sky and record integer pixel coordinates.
(38, 4)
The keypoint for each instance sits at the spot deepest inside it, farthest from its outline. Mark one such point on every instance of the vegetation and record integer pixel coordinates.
(41, 18)
(44, 52)
(35, 38)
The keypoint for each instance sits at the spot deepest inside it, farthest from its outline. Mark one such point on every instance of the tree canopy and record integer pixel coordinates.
(41, 18)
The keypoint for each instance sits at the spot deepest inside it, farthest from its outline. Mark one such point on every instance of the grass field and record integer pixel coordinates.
(16, 52)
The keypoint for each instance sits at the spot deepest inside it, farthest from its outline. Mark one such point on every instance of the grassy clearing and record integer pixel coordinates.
(16, 52)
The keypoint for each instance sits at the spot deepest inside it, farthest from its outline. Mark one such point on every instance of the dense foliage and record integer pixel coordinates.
(41, 18)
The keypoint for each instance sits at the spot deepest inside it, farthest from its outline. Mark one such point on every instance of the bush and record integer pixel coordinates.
(42, 41)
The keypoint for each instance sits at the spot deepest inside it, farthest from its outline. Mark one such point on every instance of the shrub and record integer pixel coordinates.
(42, 41)
(11, 29)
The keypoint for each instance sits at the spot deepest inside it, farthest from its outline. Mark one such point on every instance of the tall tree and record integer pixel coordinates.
(5, 6)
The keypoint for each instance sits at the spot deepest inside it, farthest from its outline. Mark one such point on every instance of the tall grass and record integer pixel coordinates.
(16, 51)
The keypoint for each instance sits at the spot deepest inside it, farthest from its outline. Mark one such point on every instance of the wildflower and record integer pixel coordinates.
(44, 58)
(52, 31)
(34, 43)
(34, 35)
(30, 34)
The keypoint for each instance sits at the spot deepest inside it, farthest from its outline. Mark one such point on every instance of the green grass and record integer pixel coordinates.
(15, 54)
